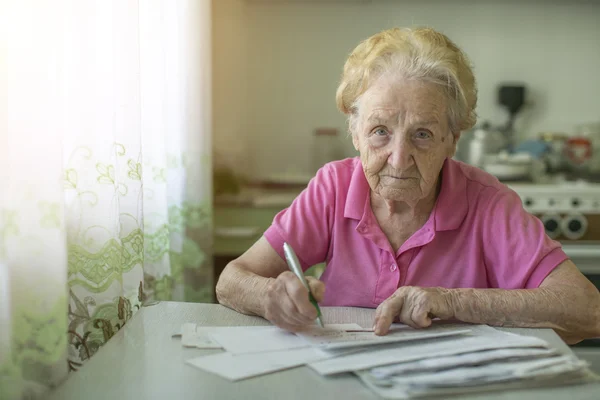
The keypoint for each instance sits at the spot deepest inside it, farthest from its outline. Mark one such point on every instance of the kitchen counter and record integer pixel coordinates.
(258, 197)
(240, 219)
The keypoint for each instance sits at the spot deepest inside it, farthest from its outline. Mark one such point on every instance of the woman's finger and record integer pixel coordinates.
(420, 317)
(281, 309)
(290, 311)
(317, 288)
(387, 311)
(287, 325)
(299, 296)
(406, 314)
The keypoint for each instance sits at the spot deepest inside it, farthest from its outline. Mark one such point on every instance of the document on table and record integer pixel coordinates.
(196, 336)
(245, 339)
(242, 366)
(334, 339)
(461, 360)
(492, 372)
(207, 337)
(485, 338)
(560, 371)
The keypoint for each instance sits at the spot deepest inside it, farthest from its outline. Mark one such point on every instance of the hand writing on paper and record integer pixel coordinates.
(287, 305)
(413, 306)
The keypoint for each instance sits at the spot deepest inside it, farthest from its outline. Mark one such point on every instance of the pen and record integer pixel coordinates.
(294, 266)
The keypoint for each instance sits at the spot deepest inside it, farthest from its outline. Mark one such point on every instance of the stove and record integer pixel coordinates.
(570, 212)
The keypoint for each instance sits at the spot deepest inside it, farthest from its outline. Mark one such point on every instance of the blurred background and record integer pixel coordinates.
(277, 63)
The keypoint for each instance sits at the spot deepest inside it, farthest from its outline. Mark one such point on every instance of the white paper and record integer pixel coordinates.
(556, 375)
(332, 339)
(194, 336)
(205, 337)
(458, 360)
(241, 341)
(493, 372)
(248, 365)
(245, 339)
(432, 348)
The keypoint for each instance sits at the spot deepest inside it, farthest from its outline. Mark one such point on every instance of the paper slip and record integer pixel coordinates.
(435, 347)
(493, 372)
(248, 365)
(246, 339)
(467, 359)
(569, 375)
(331, 339)
(204, 337)
(194, 336)
(239, 340)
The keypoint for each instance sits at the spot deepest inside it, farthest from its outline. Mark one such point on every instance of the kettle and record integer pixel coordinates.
(475, 144)
(582, 151)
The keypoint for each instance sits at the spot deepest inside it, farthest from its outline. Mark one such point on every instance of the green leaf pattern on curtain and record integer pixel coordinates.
(141, 260)
(106, 184)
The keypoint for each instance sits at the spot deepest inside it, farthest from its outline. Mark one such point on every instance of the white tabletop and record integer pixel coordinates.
(144, 361)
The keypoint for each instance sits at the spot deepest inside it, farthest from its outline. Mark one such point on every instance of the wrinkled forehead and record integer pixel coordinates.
(403, 99)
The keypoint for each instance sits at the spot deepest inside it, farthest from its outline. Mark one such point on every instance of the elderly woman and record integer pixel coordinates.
(404, 228)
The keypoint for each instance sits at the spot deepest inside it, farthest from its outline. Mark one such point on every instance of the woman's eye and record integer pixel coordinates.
(380, 132)
(423, 134)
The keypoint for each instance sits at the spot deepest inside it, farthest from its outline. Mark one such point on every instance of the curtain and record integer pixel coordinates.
(105, 175)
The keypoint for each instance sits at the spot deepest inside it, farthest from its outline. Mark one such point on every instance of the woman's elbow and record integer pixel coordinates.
(595, 312)
(223, 283)
(591, 305)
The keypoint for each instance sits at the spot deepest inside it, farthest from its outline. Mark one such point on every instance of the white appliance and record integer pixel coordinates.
(571, 214)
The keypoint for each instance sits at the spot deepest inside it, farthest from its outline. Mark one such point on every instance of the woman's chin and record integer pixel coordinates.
(402, 194)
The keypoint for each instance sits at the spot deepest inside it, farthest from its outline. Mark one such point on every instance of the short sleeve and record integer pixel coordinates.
(307, 223)
(518, 253)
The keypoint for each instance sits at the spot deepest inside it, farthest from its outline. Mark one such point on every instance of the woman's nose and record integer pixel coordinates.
(401, 154)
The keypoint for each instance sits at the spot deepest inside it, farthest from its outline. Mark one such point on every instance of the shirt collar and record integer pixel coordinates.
(358, 192)
(451, 206)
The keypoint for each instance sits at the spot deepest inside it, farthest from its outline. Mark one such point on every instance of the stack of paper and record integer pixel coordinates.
(487, 359)
(444, 359)
(256, 350)
(494, 375)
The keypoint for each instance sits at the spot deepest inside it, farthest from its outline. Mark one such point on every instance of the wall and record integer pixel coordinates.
(296, 51)
(229, 83)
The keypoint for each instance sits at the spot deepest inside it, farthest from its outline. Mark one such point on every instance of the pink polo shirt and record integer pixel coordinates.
(477, 236)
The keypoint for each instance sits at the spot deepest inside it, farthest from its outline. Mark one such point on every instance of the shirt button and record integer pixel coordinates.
(393, 267)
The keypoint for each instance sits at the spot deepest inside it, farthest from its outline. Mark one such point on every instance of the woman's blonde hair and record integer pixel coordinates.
(414, 53)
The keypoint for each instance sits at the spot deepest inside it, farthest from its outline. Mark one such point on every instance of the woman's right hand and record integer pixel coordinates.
(286, 303)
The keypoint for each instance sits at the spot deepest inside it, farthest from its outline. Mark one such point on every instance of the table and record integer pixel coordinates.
(144, 361)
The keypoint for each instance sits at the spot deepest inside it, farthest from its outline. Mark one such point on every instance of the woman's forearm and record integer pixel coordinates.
(241, 290)
(573, 314)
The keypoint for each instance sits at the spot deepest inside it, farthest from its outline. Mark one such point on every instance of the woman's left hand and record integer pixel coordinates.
(415, 307)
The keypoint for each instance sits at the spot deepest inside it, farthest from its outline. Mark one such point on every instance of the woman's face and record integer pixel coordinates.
(403, 138)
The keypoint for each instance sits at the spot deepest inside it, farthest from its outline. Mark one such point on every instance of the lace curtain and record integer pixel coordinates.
(104, 175)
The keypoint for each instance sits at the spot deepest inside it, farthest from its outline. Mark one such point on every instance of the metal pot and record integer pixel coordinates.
(475, 144)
